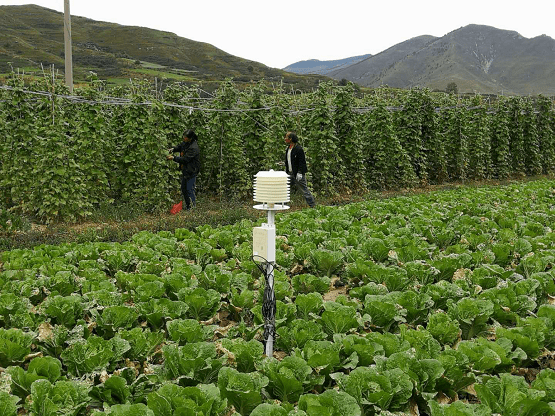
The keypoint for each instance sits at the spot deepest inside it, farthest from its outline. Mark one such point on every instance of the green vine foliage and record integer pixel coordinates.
(409, 126)
(229, 172)
(278, 121)
(132, 151)
(455, 125)
(186, 116)
(501, 139)
(156, 168)
(56, 188)
(253, 125)
(92, 148)
(517, 142)
(62, 157)
(169, 122)
(434, 141)
(321, 144)
(533, 157)
(350, 141)
(479, 141)
(545, 122)
(18, 166)
(389, 165)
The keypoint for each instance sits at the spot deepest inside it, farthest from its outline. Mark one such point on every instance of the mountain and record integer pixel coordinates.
(31, 36)
(477, 58)
(314, 66)
(365, 69)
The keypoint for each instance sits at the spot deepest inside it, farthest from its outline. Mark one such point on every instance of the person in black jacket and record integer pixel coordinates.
(189, 165)
(295, 166)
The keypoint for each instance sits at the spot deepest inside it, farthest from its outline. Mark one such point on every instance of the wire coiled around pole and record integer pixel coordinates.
(269, 300)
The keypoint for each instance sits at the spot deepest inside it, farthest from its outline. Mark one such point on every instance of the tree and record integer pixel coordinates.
(452, 88)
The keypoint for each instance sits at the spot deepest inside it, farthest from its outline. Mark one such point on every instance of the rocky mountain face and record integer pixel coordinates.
(477, 58)
(371, 68)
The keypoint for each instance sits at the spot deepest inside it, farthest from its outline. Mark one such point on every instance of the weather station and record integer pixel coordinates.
(271, 190)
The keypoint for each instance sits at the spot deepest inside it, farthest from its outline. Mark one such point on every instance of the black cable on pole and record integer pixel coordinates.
(269, 300)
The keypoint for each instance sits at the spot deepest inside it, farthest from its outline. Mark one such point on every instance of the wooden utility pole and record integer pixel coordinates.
(67, 39)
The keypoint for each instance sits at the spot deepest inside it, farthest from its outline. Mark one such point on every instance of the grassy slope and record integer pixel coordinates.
(31, 36)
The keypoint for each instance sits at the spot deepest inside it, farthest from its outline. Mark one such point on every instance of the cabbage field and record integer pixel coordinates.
(431, 304)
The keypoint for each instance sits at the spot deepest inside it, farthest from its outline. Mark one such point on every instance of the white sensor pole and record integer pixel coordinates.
(272, 189)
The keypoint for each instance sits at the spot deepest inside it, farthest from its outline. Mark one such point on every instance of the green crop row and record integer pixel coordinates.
(62, 157)
(440, 304)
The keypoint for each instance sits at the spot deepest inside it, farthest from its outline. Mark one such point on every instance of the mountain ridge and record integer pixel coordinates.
(315, 66)
(477, 58)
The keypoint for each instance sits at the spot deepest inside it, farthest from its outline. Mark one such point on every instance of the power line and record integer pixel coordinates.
(129, 102)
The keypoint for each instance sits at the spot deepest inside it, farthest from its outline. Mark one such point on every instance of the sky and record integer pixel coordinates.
(278, 34)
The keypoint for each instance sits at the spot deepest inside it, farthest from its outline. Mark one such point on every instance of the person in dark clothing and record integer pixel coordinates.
(295, 166)
(189, 165)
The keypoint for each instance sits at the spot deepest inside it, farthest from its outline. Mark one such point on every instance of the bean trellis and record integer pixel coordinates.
(61, 156)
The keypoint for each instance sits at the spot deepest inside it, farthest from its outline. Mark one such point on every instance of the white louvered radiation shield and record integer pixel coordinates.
(271, 187)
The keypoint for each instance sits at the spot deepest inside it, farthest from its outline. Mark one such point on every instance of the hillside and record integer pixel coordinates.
(31, 36)
(376, 64)
(477, 58)
(315, 66)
